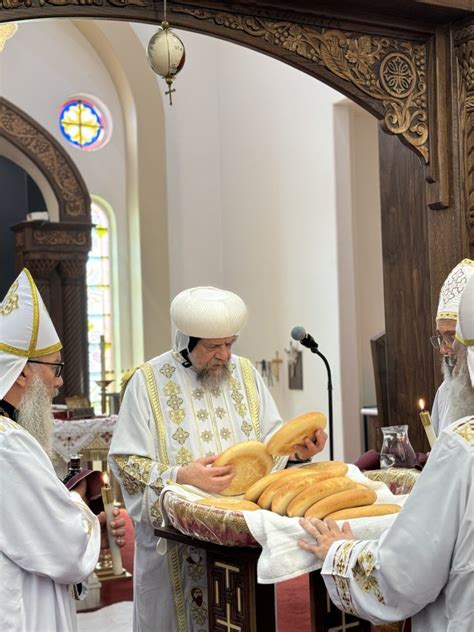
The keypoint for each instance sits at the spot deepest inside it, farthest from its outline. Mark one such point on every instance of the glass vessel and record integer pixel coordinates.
(397, 450)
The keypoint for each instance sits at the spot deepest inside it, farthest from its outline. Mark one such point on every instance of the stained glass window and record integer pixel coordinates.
(84, 123)
(99, 305)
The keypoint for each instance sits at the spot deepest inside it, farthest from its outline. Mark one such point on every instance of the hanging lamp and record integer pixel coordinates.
(166, 54)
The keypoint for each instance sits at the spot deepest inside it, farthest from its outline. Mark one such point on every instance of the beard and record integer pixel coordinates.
(215, 377)
(35, 416)
(461, 392)
(447, 366)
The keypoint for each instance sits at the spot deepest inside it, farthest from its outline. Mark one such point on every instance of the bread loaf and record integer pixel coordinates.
(338, 468)
(317, 491)
(258, 487)
(287, 491)
(294, 431)
(341, 500)
(365, 511)
(250, 462)
(231, 504)
(266, 497)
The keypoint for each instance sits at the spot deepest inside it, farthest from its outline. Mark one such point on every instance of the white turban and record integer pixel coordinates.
(26, 330)
(207, 312)
(465, 325)
(452, 289)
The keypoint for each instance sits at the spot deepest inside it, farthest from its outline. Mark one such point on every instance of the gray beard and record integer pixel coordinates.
(210, 379)
(461, 392)
(35, 416)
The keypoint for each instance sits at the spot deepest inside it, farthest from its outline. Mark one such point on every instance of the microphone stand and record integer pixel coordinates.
(314, 349)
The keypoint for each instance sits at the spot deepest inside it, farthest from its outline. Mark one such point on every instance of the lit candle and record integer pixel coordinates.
(108, 499)
(426, 421)
(102, 358)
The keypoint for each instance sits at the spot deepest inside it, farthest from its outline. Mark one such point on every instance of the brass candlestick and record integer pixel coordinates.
(103, 384)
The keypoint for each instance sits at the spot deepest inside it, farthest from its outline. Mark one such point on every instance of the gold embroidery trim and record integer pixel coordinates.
(466, 431)
(252, 394)
(11, 300)
(34, 295)
(134, 472)
(176, 588)
(339, 570)
(27, 353)
(154, 399)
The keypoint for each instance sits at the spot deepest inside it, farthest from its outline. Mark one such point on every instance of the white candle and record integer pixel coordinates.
(426, 421)
(102, 357)
(107, 497)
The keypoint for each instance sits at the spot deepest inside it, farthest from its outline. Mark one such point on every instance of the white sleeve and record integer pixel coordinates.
(132, 454)
(44, 528)
(398, 575)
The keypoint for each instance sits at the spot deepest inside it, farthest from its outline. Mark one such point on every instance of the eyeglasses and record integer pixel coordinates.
(439, 340)
(59, 366)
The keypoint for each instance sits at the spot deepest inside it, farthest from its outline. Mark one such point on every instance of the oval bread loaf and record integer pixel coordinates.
(266, 497)
(294, 431)
(259, 486)
(316, 492)
(338, 468)
(365, 511)
(341, 500)
(250, 461)
(231, 504)
(287, 491)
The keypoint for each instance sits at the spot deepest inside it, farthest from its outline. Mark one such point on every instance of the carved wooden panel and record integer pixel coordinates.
(56, 255)
(51, 159)
(464, 49)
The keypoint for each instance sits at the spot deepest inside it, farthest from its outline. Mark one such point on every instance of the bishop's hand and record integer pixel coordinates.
(200, 474)
(311, 445)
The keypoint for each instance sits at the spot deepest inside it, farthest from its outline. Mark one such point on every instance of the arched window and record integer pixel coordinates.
(99, 304)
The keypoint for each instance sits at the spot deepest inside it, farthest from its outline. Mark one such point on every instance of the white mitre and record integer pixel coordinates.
(452, 289)
(465, 324)
(26, 330)
(207, 312)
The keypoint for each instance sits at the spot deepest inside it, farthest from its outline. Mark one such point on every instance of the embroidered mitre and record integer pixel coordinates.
(465, 324)
(26, 329)
(452, 289)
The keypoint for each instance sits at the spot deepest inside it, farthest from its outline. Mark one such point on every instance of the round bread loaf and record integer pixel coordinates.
(231, 504)
(250, 461)
(317, 491)
(285, 493)
(293, 432)
(338, 468)
(341, 500)
(365, 511)
(258, 487)
(266, 497)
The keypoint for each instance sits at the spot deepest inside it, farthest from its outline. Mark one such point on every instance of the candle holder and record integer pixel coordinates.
(103, 385)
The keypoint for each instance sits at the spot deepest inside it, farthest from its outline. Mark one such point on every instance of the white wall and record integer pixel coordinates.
(251, 202)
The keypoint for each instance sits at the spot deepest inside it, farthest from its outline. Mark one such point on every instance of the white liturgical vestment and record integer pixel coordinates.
(440, 410)
(423, 566)
(168, 419)
(49, 539)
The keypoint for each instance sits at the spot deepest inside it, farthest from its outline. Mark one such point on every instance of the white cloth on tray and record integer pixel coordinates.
(283, 559)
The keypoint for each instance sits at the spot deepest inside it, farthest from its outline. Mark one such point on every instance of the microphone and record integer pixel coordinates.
(299, 334)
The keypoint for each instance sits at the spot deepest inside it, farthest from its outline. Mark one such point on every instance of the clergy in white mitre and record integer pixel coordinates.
(453, 398)
(180, 410)
(49, 538)
(423, 566)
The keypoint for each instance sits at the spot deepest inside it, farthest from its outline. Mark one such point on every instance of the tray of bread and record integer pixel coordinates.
(319, 489)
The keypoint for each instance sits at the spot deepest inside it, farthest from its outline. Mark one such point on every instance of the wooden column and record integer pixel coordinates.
(56, 255)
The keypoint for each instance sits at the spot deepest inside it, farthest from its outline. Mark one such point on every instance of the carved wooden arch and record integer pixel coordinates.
(52, 160)
(383, 68)
(56, 252)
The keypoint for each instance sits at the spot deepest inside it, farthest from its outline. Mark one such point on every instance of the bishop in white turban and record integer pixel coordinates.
(452, 399)
(49, 538)
(180, 410)
(423, 566)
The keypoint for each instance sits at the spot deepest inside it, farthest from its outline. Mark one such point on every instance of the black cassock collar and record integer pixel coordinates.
(7, 410)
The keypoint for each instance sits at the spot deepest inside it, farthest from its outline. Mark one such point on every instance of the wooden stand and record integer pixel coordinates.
(233, 591)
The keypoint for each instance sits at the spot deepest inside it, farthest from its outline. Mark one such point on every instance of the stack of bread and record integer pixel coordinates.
(318, 490)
